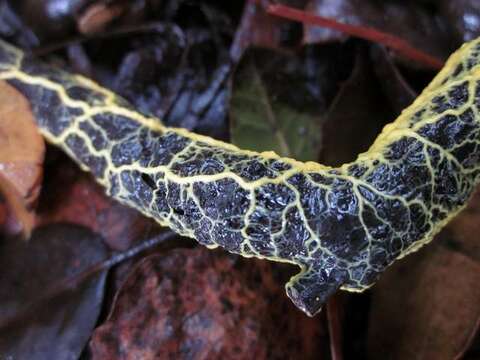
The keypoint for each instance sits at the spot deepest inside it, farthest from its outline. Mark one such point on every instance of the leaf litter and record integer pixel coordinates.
(180, 60)
(22, 151)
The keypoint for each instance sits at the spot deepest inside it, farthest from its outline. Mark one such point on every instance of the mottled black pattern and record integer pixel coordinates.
(49, 107)
(79, 149)
(342, 226)
(96, 136)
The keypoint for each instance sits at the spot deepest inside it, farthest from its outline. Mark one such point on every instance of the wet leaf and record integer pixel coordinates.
(258, 29)
(21, 156)
(409, 20)
(255, 115)
(277, 101)
(463, 18)
(198, 304)
(58, 328)
(13, 28)
(179, 74)
(174, 58)
(463, 229)
(71, 195)
(48, 19)
(357, 115)
(394, 85)
(427, 305)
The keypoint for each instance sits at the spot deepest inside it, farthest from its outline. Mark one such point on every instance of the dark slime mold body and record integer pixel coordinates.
(342, 226)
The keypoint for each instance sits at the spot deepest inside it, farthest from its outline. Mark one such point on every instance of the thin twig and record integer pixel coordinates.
(74, 281)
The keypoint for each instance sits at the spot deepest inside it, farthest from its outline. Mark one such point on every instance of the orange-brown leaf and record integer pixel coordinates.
(22, 151)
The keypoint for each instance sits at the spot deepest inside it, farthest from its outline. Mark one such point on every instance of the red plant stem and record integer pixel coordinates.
(363, 32)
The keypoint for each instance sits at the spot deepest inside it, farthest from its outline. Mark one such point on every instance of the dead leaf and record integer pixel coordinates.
(199, 304)
(356, 116)
(13, 28)
(277, 100)
(394, 85)
(463, 18)
(60, 327)
(258, 29)
(427, 305)
(179, 75)
(71, 195)
(256, 114)
(465, 227)
(21, 155)
(409, 20)
(97, 17)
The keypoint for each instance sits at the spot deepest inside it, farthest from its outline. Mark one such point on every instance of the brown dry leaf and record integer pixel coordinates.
(356, 116)
(466, 227)
(428, 305)
(97, 17)
(200, 304)
(22, 150)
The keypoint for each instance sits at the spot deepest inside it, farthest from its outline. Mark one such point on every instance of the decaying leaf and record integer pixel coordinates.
(174, 58)
(259, 29)
(392, 82)
(463, 18)
(357, 115)
(71, 195)
(21, 156)
(97, 17)
(198, 304)
(56, 328)
(271, 111)
(427, 305)
(408, 20)
(177, 74)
